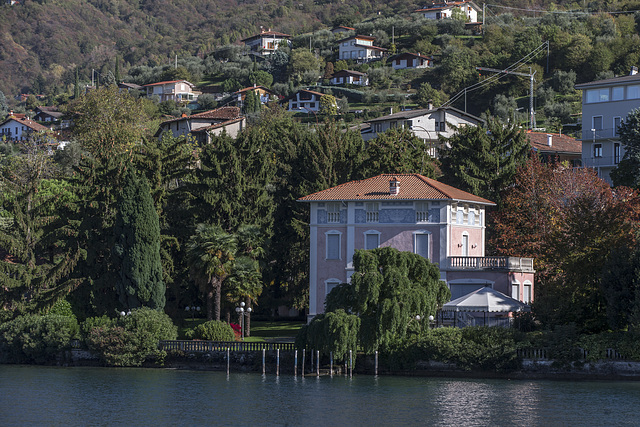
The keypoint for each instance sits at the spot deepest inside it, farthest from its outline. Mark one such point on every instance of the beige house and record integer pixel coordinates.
(359, 48)
(203, 126)
(444, 10)
(266, 42)
(174, 90)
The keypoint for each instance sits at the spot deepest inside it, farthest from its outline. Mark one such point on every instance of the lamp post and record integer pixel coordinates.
(242, 312)
(193, 310)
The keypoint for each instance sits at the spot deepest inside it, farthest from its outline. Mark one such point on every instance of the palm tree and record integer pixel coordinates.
(245, 283)
(211, 256)
(251, 242)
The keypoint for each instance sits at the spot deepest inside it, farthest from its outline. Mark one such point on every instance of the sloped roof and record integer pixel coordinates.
(447, 5)
(486, 300)
(413, 186)
(268, 34)
(615, 80)
(559, 143)
(25, 121)
(410, 55)
(222, 113)
(410, 114)
(357, 37)
(246, 89)
(169, 82)
(348, 73)
(217, 125)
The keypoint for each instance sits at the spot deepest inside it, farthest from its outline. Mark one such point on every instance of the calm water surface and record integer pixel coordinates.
(49, 396)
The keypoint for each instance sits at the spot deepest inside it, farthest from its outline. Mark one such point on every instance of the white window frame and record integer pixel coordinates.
(516, 284)
(326, 238)
(429, 242)
(465, 248)
(616, 153)
(593, 122)
(371, 232)
(529, 285)
(597, 150)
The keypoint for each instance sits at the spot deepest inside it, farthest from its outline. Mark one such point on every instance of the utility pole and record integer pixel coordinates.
(531, 75)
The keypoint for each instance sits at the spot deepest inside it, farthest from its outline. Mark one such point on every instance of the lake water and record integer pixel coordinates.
(54, 396)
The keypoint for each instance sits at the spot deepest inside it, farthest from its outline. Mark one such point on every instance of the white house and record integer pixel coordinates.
(605, 104)
(349, 77)
(359, 48)
(427, 124)
(203, 125)
(303, 101)
(19, 128)
(411, 60)
(410, 213)
(266, 42)
(174, 90)
(443, 10)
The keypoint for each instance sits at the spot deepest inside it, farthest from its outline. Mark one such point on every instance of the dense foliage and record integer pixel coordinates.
(214, 330)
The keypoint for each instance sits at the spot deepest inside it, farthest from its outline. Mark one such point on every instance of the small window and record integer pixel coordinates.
(597, 122)
(421, 244)
(472, 218)
(526, 297)
(515, 291)
(617, 121)
(616, 153)
(371, 240)
(597, 95)
(443, 127)
(459, 217)
(333, 245)
(597, 150)
(330, 284)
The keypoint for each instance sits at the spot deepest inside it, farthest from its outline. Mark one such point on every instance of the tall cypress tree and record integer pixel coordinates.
(137, 247)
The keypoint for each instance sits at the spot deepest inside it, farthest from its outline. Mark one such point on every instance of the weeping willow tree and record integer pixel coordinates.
(388, 290)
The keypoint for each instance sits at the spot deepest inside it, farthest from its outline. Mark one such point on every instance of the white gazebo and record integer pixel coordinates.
(485, 300)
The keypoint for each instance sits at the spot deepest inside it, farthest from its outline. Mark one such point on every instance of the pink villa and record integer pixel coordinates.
(411, 213)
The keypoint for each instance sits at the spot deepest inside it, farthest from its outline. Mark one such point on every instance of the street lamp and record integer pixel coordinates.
(193, 310)
(242, 312)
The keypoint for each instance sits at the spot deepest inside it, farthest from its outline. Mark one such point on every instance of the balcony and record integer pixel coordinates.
(372, 216)
(491, 263)
(333, 217)
(601, 162)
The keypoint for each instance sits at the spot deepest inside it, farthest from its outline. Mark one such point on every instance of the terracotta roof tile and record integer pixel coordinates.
(218, 125)
(168, 82)
(559, 143)
(25, 121)
(222, 113)
(413, 186)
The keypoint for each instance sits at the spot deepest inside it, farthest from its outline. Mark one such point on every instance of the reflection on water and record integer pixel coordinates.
(97, 396)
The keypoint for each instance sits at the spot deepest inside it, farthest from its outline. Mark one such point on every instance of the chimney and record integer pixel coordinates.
(549, 140)
(634, 71)
(184, 115)
(394, 186)
(391, 110)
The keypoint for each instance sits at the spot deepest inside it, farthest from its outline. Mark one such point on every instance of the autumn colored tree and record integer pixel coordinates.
(569, 221)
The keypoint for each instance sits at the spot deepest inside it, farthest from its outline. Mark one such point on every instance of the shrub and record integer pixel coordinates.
(36, 339)
(335, 331)
(215, 330)
(129, 340)
(95, 322)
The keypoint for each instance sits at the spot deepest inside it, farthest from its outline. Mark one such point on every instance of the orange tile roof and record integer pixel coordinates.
(559, 143)
(413, 186)
(25, 121)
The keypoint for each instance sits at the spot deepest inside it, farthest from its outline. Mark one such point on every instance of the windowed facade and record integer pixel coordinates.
(633, 92)
(597, 123)
(616, 153)
(333, 245)
(515, 291)
(597, 95)
(526, 293)
(617, 93)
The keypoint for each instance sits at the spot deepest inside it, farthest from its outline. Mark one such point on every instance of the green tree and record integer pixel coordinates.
(391, 288)
(328, 105)
(628, 171)
(303, 61)
(4, 107)
(260, 78)
(428, 95)
(251, 102)
(137, 247)
(483, 160)
(35, 272)
(211, 254)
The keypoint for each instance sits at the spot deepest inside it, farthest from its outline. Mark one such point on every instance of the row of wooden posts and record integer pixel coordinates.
(304, 354)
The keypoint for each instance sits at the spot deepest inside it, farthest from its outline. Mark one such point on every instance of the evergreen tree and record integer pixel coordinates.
(117, 72)
(628, 171)
(483, 160)
(137, 247)
(76, 86)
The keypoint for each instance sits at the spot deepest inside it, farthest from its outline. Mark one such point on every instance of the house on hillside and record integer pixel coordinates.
(359, 48)
(344, 77)
(410, 60)
(203, 126)
(303, 101)
(447, 9)
(410, 213)
(265, 95)
(266, 42)
(19, 128)
(129, 87)
(47, 114)
(340, 29)
(428, 124)
(556, 148)
(174, 90)
(605, 104)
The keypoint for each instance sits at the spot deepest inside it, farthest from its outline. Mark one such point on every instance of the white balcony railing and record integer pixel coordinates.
(490, 263)
(422, 216)
(372, 216)
(333, 217)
